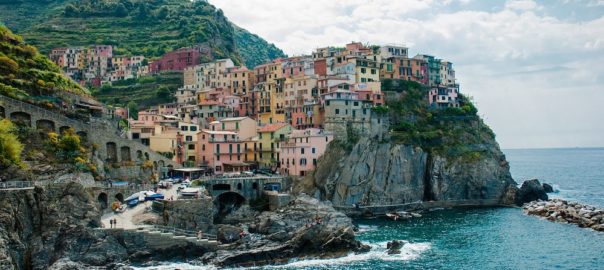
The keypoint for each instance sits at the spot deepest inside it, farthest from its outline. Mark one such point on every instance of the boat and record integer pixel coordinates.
(152, 196)
(393, 216)
(132, 203)
(121, 209)
(189, 192)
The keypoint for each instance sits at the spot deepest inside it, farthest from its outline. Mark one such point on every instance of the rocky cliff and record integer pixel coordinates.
(424, 155)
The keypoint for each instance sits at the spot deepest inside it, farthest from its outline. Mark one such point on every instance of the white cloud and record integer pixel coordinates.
(521, 4)
(508, 58)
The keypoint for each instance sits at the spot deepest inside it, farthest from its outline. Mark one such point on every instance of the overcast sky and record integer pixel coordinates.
(535, 69)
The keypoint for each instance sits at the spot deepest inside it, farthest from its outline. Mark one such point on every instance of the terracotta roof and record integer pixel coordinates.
(272, 127)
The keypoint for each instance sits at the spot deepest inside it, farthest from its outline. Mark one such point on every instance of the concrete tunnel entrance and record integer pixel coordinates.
(227, 203)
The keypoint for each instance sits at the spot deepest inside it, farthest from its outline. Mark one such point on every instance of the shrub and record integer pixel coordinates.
(10, 147)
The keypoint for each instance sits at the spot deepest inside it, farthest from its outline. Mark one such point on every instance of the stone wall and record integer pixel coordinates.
(191, 215)
(130, 173)
(109, 146)
(376, 126)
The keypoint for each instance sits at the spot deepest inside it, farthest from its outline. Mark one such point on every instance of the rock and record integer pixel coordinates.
(531, 190)
(548, 188)
(383, 173)
(394, 247)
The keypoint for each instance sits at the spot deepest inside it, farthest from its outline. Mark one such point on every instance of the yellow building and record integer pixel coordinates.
(269, 137)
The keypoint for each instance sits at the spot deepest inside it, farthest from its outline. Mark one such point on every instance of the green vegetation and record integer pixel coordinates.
(253, 49)
(142, 92)
(10, 147)
(25, 72)
(68, 148)
(451, 131)
(137, 27)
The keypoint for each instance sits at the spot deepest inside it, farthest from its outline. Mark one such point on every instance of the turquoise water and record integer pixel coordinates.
(500, 238)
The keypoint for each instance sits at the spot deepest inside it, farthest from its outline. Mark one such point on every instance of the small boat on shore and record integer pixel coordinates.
(132, 203)
(190, 192)
(152, 196)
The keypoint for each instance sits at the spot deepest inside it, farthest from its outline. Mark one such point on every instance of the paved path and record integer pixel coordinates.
(125, 219)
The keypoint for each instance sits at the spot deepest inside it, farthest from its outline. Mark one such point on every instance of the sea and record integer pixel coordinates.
(487, 238)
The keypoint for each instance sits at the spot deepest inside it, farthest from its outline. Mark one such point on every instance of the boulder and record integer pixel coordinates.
(548, 188)
(394, 247)
(531, 190)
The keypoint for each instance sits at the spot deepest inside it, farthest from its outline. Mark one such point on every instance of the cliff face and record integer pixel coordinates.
(418, 154)
(386, 173)
(37, 227)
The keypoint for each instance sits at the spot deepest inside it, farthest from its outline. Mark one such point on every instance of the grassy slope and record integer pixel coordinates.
(46, 24)
(450, 132)
(143, 91)
(253, 49)
(25, 73)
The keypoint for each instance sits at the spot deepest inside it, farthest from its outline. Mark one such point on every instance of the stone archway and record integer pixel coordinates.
(227, 203)
(139, 155)
(2, 112)
(21, 117)
(63, 129)
(111, 152)
(103, 200)
(45, 125)
(119, 197)
(83, 135)
(146, 156)
(155, 165)
(125, 153)
(161, 164)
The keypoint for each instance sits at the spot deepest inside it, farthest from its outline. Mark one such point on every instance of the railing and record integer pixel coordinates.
(16, 185)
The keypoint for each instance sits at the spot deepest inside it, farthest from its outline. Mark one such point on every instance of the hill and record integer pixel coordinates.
(27, 74)
(253, 49)
(136, 27)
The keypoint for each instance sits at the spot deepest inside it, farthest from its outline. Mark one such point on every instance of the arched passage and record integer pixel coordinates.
(2, 112)
(83, 135)
(102, 199)
(21, 117)
(161, 164)
(155, 165)
(63, 129)
(125, 153)
(146, 156)
(111, 152)
(139, 155)
(119, 197)
(46, 125)
(227, 203)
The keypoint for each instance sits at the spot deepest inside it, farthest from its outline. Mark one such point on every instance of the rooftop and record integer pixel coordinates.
(272, 127)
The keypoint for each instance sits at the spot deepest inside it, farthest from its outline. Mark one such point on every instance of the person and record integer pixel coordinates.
(199, 234)
(115, 222)
(111, 223)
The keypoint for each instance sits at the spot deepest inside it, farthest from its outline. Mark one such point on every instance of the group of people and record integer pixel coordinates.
(113, 223)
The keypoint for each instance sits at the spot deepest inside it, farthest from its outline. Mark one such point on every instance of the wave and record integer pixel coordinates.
(378, 252)
(367, 228)
(176, 265)
(410, 251)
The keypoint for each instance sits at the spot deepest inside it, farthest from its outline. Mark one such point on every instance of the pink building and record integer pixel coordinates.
(443, 97)
(225, 145)
(301, 151)
(121, 112)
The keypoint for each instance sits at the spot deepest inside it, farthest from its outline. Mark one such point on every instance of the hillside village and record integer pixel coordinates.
(279, 115)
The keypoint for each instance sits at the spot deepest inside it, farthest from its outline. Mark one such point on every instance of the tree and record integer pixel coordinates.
(133, 109)
(10, 147)
(162, 13)
(8, 65)
(143, 11)
(163, 93)
(121, 10)
(71, 11)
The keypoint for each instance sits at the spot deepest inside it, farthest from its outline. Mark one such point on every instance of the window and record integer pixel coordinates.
(314, 162)
(314, 150)
(184, 128)
(222, 126)
(356, 103)
(203, 147)
(337, 111)
(302, 151)
(302, 161)
(193, 128)
(189, 138)
(363, 70)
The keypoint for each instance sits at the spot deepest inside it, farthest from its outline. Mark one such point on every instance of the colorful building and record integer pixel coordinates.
(300, 152)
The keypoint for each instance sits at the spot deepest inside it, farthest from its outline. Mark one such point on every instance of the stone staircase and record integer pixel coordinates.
(165, 237)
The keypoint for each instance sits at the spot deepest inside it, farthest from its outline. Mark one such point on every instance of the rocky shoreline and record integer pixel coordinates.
(562, 211)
